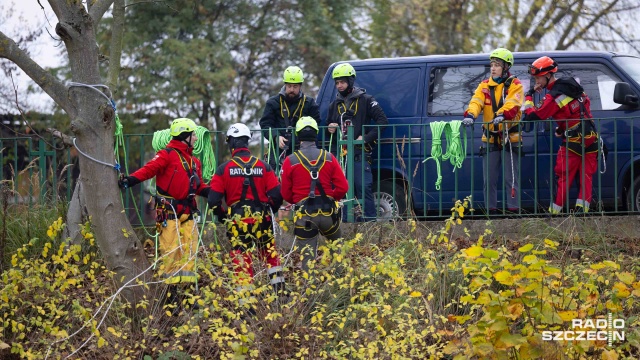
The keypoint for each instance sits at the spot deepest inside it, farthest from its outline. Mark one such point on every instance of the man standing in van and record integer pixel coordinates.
(499, 98)
(570, 107)
(355, 107)
(281, 113)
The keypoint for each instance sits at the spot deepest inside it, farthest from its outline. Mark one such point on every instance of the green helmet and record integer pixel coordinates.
(293, 75)
(182, 125)
(344, 70)
(306, 121)
(502, 54)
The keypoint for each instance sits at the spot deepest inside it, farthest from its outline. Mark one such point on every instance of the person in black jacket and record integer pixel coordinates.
(281, 113)
(353, 106)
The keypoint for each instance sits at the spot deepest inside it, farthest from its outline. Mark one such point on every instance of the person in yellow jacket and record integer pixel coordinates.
(499, 98)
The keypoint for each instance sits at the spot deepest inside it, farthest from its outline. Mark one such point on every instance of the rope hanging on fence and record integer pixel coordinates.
(202, 146)
(455, 151)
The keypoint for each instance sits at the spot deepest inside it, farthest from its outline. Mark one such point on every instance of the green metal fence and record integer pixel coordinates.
(403, 183)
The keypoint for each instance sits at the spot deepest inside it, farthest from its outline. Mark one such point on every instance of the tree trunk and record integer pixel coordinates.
(75, 216)
(94, 126)
(92, 122)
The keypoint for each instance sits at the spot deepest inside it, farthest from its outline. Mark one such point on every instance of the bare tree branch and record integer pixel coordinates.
(570, 25)
(52, 86)
(98, 9)
(586, 28)
(115, 53)
(66, 139)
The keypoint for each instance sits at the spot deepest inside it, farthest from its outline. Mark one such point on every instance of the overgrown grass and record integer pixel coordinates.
(24, 222)
(400, 291)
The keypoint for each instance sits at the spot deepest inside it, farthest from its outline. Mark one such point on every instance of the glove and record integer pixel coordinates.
(559, 132)
(220, 212)
(127, 181)
(529, 93)
(498, 119)
(468, 121)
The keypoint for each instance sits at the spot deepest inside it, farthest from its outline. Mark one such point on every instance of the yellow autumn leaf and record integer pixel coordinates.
(568, 315)
(504, 277)
(626, 277)
(609, 355)
(525, 248)
(491, 254)
(474, 251)
(550, 243)
(415, 294)
(101, 342)
(515, 310)
(623, 290)
(611, 264)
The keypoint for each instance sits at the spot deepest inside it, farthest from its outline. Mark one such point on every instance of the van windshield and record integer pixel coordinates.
(631, 65)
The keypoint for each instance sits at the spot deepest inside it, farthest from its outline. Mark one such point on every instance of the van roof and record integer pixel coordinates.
(466, 57)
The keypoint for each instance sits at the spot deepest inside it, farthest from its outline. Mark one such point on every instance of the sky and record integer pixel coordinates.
(19, 17)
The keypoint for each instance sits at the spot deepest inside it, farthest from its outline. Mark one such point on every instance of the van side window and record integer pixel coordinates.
(597, 80)
(451, 88)
(396, 90)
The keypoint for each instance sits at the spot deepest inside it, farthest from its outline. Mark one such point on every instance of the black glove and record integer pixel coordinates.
(559, 132)
(530, 92)
(127, 181)
(220, 212)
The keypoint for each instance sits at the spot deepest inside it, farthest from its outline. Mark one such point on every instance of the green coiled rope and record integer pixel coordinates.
(455, 151)
(202, 146)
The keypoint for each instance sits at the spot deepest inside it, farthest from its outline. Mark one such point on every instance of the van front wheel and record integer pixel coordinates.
(633, 197)
(391, 200)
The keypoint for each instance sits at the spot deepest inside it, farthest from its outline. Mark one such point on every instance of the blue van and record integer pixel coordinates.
(415, 91)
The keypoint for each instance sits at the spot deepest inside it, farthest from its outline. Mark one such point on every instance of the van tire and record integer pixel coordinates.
(633, 199)
(390, 208)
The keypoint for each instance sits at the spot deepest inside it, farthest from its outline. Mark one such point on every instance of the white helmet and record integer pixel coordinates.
(238, 130)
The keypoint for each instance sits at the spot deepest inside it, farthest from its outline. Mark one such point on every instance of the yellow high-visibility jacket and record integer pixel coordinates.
(508, 105)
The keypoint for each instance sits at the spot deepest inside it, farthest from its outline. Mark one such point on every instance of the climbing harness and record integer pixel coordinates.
(310, 205)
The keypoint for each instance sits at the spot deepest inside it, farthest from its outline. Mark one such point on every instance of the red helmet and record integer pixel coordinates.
(543, 66)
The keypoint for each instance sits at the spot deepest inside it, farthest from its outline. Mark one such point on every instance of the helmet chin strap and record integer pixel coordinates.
(188, 140)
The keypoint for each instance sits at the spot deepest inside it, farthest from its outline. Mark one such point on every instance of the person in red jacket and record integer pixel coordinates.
(313, 180)
(178, 180)
(252, 191)
(567, 103)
